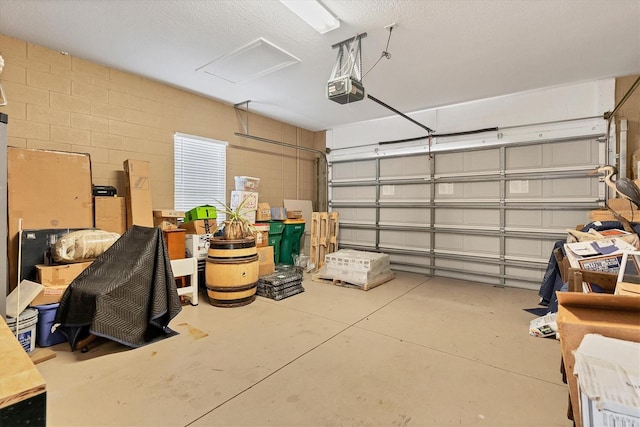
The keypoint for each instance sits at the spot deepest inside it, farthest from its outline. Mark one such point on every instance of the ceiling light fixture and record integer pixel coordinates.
(313, 13)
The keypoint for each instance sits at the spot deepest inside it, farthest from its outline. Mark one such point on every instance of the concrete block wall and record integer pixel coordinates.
(61, 102)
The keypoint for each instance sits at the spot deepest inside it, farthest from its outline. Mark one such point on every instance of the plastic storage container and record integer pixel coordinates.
(46, 316)
(290, 245)
(247, 183)
(201, 212)
(275, 238)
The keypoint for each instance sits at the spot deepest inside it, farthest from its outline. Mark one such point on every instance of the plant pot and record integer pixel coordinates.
(233, 230)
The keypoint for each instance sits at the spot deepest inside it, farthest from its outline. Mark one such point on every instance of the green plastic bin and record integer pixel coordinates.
(290, 245)
(275, 238)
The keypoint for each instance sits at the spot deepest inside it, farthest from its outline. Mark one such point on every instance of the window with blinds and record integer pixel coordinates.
(200, 167)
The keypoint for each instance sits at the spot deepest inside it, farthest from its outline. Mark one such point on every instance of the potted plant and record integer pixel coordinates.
(236, 226)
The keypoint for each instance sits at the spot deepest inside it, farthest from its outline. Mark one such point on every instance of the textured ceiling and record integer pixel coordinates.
(442, 51)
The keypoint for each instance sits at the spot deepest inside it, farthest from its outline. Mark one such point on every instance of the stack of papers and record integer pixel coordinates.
(609, 381)
(605, 249)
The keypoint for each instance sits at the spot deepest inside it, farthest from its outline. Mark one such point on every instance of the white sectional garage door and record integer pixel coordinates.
(489, 215)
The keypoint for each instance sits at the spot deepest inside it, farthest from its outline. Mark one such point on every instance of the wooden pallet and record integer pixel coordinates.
(365, 287)
(324, 236)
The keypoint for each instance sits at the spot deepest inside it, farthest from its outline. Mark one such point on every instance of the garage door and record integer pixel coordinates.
(489, 215)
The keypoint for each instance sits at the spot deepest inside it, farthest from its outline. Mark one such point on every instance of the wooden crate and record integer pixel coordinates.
(621, 206)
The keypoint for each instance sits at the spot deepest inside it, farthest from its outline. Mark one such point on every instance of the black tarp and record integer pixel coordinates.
(128, 294)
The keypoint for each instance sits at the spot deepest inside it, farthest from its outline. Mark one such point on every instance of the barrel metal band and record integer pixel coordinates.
(232, 289)
(233, 260)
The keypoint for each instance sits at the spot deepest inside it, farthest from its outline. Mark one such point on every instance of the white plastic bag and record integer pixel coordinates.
(82, 245)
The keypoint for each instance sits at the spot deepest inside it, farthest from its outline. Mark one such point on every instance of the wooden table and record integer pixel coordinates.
(22, 388)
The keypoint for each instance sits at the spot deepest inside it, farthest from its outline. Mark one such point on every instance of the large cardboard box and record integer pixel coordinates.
(55, 279)
(54, 275)
(49, 295)
(167, 219)
(614, 316)
(139, 206)
(46, 189)
(266, 263)
(110, 214)
(261, 235)
(200, 226)
(264, 212)
(250, 199)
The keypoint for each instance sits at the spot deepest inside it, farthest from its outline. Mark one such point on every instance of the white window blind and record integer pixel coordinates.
(200, 167)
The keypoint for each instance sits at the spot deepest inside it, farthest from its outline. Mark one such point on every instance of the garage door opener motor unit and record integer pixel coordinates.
(345, 84)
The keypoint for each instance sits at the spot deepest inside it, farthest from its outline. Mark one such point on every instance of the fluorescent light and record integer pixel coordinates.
(313, 13)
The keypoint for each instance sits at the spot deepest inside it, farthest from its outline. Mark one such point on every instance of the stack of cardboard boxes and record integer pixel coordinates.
(245, 198)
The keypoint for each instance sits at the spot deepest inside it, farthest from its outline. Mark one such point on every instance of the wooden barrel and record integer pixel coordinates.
(231, 272)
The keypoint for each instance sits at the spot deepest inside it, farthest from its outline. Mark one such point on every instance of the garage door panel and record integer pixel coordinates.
(571, 153)
(569, 188)
(527, 157)
(405, 216)
(413, 192)
(367, 215)
(550, 219)
(559, 154)
(530, 248)
(468, 266)
(402, 240)
(482, 190)
(405, 166)
(367, 193)
(355, 171)
(468, 243)
(487, 190)
(468, 161)
(468, 217)
(357, 237)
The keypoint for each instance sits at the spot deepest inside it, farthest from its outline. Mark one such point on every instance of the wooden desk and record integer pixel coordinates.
(22, 388)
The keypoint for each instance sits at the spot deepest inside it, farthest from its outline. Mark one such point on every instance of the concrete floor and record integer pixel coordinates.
(416, 351)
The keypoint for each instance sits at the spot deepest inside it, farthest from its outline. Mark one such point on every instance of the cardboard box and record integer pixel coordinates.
(262, 235)
(55, 275)
(264, 212)
(46, 189)
(266, 263)
(265, 255)
(110, 214)
(201, 212)
(614, 316)
(200, 226)
(49, 295)
(167, 219)
(264, 269)
(139, 210)
(278, 214)
(250, 199)
(294, 214)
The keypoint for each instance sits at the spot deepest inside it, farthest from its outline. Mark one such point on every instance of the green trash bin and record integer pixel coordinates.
(275, 237)
(290, 245)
